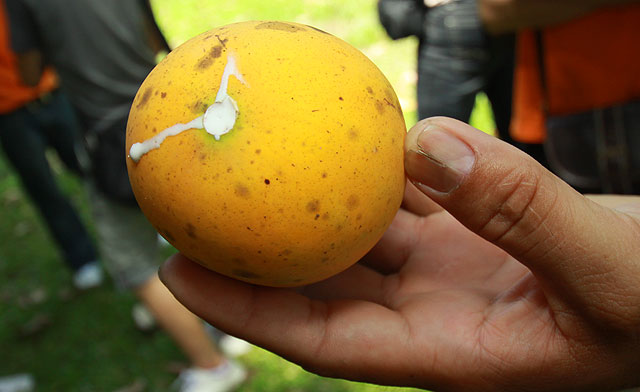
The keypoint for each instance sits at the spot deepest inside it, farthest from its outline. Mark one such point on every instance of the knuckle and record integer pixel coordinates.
(521, 205)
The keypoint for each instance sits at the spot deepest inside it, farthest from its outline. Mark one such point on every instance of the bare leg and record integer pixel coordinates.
(186, 329)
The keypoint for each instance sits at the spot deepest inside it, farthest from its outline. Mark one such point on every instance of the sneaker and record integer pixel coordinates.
(88, 276)
(229, 345)
(23, 382)
(224, 378)
(142, 318)
(233, 347)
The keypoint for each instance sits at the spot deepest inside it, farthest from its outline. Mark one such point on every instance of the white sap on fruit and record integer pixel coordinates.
(218, 119)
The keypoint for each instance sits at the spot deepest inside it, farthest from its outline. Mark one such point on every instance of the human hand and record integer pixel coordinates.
(519, 283)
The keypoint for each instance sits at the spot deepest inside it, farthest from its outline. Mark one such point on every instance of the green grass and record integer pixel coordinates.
(87, 342)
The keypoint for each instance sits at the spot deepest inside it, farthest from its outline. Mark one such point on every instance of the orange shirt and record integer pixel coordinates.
(591, 62)
(13, 93)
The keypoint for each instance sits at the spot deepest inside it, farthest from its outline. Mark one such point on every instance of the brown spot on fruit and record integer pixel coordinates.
(190, 229)
(145, 98)
(215, 52)
(198, 107)
(239, 261)
(379, 106)
(388, 103)
(390, 95)
(353, 134)
(163, 95)
(353, 202)
(209, 58)
(167, 235)
(369, 90)
(313, 205)
(240, 273)
(223, 41)
(279, 26)
(242, 191)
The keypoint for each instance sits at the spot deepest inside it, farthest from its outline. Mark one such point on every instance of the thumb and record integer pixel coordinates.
(500, 193)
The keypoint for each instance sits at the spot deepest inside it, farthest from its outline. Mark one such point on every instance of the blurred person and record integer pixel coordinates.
(577, 86)
(494, 276)
(457, 59)
(103, 50)
(34, 119)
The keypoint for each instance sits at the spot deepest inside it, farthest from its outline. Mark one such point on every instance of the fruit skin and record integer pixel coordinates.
(308, 179)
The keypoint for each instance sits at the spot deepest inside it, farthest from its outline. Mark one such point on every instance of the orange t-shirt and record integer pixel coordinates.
(590, 62)
(13, 93)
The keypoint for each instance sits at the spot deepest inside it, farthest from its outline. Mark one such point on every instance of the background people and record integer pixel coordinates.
(103, 51)
(577, 89)
(33, 120)
(457, 59)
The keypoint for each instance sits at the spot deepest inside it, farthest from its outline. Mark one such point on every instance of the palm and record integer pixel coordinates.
(455, 300)
(432, 305)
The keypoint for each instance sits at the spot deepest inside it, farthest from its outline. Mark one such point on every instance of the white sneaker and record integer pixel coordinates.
(225, 378)
(142, 318)
(233, 347)
(88, 276)
(23, 382)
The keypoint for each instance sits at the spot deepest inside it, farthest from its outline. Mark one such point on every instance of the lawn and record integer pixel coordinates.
(77, 342)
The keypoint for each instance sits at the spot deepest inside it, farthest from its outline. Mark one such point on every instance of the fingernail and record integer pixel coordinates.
(440, 160)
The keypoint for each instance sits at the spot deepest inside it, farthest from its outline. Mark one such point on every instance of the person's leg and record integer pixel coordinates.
(450, 61)
(499, 86)
(25, 147)
(184, 327)
(129, 250)
(64, 133)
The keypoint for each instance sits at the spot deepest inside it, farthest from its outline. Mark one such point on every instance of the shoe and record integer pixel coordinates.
(233, 347)
(230, 346)
(224, 378)
(88, 276)
(142, 318)
(23, 382)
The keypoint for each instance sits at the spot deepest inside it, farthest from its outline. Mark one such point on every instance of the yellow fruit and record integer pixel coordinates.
(300, 184)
